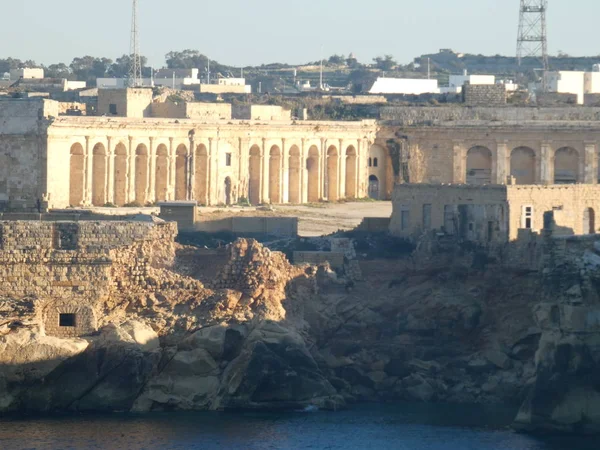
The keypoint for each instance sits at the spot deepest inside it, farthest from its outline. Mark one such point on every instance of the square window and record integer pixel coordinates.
(66, 320)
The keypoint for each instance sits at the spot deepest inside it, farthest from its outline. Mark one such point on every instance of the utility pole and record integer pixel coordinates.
(532, 40)
(134, 78)
(321, 73)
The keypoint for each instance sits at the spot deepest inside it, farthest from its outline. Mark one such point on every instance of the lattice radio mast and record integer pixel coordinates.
(135, 69)
(532, 41)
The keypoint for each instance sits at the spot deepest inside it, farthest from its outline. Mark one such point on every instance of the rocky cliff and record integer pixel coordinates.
(252, 331)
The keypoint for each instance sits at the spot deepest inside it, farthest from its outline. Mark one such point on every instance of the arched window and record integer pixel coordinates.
(370, 162)
(375, 162)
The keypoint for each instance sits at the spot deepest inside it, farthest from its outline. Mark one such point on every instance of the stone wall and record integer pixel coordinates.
(574, 206)
(484, 94)
(406, 115)
(67, 269)
(494, 213)
(477, 213)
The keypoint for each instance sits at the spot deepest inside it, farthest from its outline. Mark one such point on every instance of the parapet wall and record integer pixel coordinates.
(430, 116)
(79, 236)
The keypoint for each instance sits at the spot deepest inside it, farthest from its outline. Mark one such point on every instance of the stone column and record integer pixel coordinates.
(264, 170)
(284, 192)
(191, 169)
(88, 171)
(460, 163)
(172, 172)
(210, 194)
(151, 181)
(131, 172)
(590, 165)
(110, 173)
(546, 163)
(360, 168)
(322, 172)
(341, 171)
(244, 171)
(502, 171)
(303, 174)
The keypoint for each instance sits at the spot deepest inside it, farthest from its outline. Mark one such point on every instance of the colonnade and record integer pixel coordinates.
(117, 171)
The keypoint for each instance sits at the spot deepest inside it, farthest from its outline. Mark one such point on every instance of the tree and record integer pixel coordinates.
(120, 68)
(386, 63)
(88, 68)
(59, 70)
(8, 64)
(336, 60)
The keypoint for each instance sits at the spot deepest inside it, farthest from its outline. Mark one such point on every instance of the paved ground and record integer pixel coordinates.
(315, 219)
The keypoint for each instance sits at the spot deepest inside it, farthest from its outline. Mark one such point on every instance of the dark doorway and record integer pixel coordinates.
(374, 187)
(66, 320)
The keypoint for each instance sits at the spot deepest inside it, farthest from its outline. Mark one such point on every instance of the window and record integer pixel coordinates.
(375, 162)
(427, 217)
(370, 162)
(112, 108)
(527, 217)
(66, 320)
(405, 218)
(449, 224)
(228, 159)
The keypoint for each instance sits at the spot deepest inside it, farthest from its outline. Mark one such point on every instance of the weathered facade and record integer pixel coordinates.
(493, 213)
(66, 269)
(79, 161)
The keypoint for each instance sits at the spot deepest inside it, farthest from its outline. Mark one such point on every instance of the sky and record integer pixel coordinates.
(251, 32)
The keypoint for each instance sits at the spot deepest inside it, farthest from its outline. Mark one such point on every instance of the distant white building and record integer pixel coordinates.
(458, 81)
(406, 86)
(574, 82)
(27, 74)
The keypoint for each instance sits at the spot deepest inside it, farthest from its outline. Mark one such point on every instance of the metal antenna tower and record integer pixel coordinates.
(533, 39)
(135, 69)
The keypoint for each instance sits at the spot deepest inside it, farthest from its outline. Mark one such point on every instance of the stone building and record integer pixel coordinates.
(65, 270)
(493, 213)
(128, 155)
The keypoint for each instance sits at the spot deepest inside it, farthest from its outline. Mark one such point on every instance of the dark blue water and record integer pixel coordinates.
(399, 427)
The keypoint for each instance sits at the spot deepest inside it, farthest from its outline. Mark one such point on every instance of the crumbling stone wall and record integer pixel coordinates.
(72, 275)
(484, 94)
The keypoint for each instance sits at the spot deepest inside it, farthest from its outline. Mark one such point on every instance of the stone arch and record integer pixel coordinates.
(294, 175)
(522, 165)
(479, 166)
(254, 175)
(351, 159)
(227, 191)
(201, 162)
(68, 318)
(374, 187)
(566, 166)
(141, 174)
(589, 221)
(120, 186)
(333, 163)
(181, 172)
(99, 175)
(312, 167)
(275, 174)
(162, 173)
(76, 175)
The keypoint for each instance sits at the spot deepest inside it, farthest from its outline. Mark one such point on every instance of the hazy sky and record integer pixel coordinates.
(245, 32)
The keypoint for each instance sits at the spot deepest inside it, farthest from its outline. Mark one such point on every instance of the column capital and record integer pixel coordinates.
(170, 140)
(546, 142)
(501, 141)
(586, 143)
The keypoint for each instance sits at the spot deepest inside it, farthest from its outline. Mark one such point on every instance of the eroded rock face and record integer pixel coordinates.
(266, 334)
